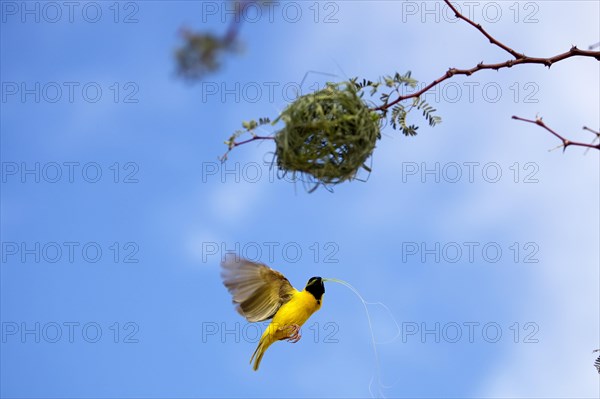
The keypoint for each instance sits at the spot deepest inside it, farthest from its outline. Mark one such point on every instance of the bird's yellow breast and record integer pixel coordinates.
(296, 311)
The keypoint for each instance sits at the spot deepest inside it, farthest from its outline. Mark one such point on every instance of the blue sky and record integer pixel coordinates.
(166, 322)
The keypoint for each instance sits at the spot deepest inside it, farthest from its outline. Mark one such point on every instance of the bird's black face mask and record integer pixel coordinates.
(316, 287)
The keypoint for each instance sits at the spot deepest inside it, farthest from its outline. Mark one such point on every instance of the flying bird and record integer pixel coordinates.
(261, 293)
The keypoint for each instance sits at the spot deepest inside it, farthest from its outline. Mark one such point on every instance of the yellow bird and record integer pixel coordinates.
(261, 293)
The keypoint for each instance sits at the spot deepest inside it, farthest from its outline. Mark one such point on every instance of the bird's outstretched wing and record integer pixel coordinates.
(257, 290)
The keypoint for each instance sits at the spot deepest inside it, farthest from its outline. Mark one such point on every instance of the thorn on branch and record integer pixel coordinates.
(591, 130)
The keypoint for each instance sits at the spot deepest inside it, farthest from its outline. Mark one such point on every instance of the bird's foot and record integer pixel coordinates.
(295, 334)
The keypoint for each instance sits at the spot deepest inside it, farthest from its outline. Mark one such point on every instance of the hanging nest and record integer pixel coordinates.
(328, 135)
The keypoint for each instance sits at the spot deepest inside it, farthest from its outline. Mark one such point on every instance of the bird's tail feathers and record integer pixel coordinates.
(264, 343)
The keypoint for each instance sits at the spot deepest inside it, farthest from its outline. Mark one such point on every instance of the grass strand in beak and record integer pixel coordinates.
(373, 341)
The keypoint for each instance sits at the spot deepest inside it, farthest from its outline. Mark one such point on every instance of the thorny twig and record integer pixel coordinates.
(519, 58)
(565, 142)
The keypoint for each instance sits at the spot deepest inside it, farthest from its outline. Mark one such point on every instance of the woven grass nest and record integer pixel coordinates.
(328, 135)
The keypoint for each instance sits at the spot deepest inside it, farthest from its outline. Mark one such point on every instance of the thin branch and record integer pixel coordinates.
(595, 138)
(518, 59)
(483, 31)
(232, 144)
(565, 142)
